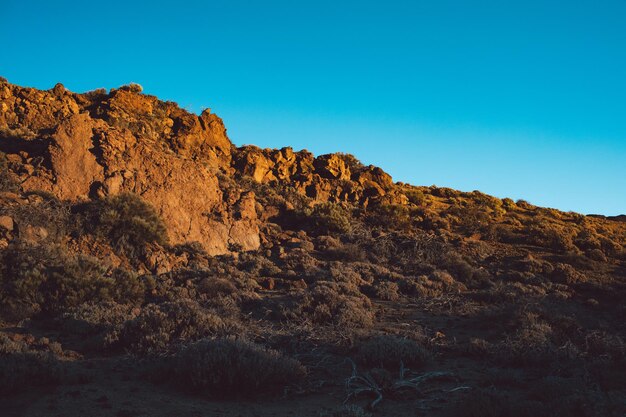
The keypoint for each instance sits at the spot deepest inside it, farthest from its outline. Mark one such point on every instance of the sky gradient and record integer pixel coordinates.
(516, 99)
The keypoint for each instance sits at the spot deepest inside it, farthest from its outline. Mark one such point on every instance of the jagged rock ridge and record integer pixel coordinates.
(80, 146)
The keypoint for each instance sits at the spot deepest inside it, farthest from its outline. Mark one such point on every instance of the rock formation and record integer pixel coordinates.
(91, 145)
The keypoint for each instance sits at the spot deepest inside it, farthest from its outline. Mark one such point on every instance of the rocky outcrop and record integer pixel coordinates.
(331, 177)
(96, 144)
(80, 146)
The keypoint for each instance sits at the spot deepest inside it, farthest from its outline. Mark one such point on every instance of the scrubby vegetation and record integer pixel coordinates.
(233, 368)
(383, 302)
(48, 280)
(22, 367)
(125, 220)
(392, 352)
(363, 296)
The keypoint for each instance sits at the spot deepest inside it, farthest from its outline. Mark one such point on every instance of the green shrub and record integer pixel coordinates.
(49, 280)
(469, 219)
(126, 220)
(443, 192)
(330, 218)
(234, 368)
(132, 87)
(391, 216)
(389, 351)
(352, 162)
(416, 197)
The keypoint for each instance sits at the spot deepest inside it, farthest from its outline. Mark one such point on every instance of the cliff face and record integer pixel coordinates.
(91, 145)
(80, 146)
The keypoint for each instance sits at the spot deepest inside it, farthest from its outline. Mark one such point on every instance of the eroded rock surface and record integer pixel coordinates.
(80, 146)
(91, 145)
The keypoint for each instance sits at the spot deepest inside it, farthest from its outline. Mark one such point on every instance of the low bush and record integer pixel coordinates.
(97, 322)
(332, 303)
(391, 216)
(605, 345)
(47, 279)
(329, 218)
(126, 220)
(543, 232)
(416, 197)
(531, 345)
(21, 368)
(389, 351)
(132, 87)
(227, 368)
(158, 328)
(386, 290)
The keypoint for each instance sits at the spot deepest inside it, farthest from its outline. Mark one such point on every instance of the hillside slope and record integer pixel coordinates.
(132, 229)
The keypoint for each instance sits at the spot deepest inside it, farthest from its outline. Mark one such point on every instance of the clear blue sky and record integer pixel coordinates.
(523, 99)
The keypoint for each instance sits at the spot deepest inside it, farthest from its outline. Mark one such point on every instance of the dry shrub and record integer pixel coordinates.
(234, 368)
(348, 252)
(434, 285)
(605, 345)
(22, 368)
(567, 274)
(596, 255)
(478, 347)
(333, 303)
(97, 322)
(532, 344)
(390, 351)
(43, 211)
(508, 292)
(346, 273)
(543, 232)
(463, 271)
(443, 192)
(256, 264)
(587, 239)
(391, 217)
(215, 287)
(386, 290)
(158, 327)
